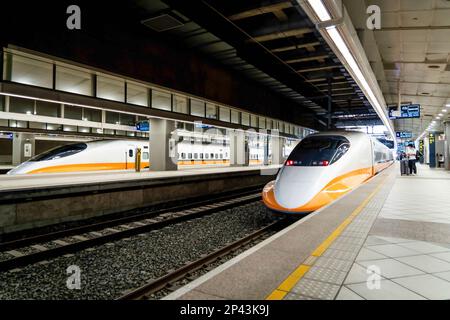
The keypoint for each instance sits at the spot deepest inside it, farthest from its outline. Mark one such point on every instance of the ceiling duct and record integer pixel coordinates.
(163, 22)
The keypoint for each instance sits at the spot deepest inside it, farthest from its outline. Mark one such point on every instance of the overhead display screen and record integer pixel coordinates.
(406, 111)
(404, 134)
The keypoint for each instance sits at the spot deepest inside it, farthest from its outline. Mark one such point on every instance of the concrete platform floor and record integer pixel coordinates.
(18, 182)
(388, 239)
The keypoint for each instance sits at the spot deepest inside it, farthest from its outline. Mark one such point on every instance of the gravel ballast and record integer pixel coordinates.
(107, 271)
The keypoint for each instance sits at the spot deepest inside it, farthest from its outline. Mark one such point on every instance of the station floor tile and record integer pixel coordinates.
(427, 285)
(393, 250)
(347, 294)
(388, 291)
(426, 263)
(367, 254)
(390, 268)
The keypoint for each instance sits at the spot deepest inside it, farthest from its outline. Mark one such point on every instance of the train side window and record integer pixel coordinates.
(183, 155)
(201, 155)
(216, 156)
(212, 155)
(195, 155)
(145, 155)
(206, 155)
(221, 156)
(130, 153)
(189, 155)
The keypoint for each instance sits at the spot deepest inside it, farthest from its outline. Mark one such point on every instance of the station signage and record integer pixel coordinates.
(406, 111)
(200, 125)
(404, 134)
(143, 126)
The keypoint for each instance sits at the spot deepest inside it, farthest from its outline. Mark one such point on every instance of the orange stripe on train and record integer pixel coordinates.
(333, 190)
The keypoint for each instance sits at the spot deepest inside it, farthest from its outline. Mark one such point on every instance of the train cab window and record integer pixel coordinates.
(60, 152)
(341, 150)
(130, 153)
(145, 156)
(318, 151)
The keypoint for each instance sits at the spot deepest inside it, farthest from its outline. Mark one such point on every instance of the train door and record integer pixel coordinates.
(129, 157)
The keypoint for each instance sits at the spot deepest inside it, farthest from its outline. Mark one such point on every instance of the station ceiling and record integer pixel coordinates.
(412, 53)
(272, 42)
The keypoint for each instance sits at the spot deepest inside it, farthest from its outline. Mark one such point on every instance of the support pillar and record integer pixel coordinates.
(238, 148)
(330, 97)
(447, 145)
(432, 149)
(163, 150)
(23, 147)
(277, 148)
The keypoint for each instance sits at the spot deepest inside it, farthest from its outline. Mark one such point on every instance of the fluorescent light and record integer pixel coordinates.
(342, 46)
(444, 110)
(320, 10)
(438, 118)
(440, 114)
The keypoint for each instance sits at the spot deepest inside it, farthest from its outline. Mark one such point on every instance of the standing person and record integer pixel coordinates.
(441, 161)
(411, 155)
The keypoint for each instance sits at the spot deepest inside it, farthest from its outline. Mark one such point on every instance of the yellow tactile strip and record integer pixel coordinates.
(286, 286)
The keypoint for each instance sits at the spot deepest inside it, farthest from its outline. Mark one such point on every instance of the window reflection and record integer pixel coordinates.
(161, 100)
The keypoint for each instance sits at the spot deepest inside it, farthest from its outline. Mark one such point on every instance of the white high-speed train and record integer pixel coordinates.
(193, 151)
(87, 156)
(323, 167)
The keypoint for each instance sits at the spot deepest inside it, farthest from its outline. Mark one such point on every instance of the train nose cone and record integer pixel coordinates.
(294, 195)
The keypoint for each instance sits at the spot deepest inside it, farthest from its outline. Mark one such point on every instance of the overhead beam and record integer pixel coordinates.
(418, 28)
(298, 46)
(282, 34)
(338, 89)
(317, 69)
(334, 83)
(324, 79)
(276, 9)
(314, 58)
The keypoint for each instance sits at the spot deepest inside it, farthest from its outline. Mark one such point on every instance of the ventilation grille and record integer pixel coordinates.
(162, 23)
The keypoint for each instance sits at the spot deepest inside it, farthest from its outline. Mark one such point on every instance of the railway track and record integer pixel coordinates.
(169, 281)
(21, 252)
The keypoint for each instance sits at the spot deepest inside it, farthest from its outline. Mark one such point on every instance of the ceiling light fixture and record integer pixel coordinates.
(323, 15)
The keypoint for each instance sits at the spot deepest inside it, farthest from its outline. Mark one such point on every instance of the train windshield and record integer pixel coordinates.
(60, 152)
(318, 151)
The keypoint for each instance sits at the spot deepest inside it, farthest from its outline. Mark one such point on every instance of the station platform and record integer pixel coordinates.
(388, 239)
(44, 180)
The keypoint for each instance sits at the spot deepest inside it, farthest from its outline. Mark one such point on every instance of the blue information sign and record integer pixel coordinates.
(143, 126)
(406, 111)
(404, 134)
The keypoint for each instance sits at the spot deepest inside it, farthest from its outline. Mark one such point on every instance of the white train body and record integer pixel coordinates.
(193, 150)
(323, 167)
(87, 156)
